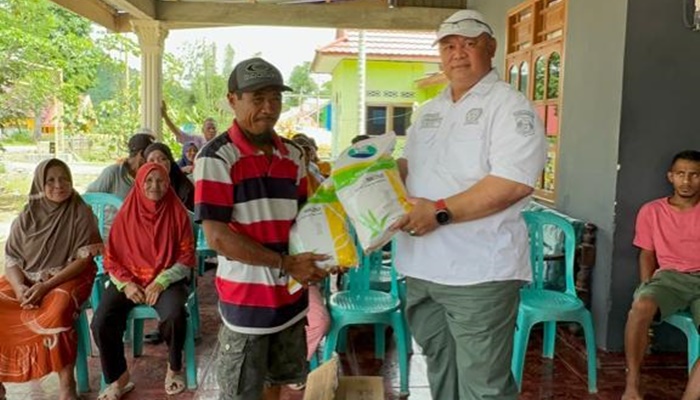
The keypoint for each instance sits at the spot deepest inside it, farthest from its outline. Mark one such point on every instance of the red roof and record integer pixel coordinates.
(379, 45)
(391, 43)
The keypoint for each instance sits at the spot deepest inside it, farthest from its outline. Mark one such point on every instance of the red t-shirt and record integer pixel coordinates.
(674, 235)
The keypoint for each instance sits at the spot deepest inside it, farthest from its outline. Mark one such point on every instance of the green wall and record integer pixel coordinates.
(382, 76)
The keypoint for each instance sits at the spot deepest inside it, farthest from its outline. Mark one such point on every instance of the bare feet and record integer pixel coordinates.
(631, 394)
(66, 379)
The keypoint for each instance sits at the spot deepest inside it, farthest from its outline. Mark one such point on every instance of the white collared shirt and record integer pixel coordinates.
(491, 130)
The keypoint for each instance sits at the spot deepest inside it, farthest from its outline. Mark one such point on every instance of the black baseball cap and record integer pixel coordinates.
(254, 74)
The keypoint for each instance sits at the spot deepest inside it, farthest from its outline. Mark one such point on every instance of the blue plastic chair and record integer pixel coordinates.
(358, 304)
(538, 304)
(105, 207)
(101, 203)
(140, 313)
(683, 320)
(203, 250)
(82, 328)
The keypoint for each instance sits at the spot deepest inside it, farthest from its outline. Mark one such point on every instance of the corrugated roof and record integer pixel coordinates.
(383, 43)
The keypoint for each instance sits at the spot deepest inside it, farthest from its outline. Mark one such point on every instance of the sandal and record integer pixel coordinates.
(175, 384)
(113, 392)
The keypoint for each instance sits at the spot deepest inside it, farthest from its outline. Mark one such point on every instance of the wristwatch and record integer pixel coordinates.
(443, 216)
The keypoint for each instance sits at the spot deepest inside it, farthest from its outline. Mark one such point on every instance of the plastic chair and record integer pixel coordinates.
(105, 207)
(380, 279)
(100, 204)
(360, 305)
(538, 304)
(203, 251)
(81, 365)
(143, 312)
(683, 320)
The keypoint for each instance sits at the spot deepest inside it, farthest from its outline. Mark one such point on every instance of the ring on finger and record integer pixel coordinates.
(412, 232)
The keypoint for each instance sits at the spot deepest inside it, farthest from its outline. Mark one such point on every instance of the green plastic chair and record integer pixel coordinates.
(82, 328)
(538, 304)
(140, 313)
(683, 320)
(104, 206)
(203, 251)
(358, 305)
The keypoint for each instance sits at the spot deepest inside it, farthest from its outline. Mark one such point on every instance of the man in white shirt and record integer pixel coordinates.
(470, 163)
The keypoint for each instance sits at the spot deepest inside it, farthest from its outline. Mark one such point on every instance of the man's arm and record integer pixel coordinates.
(488, 196)
(647, 264)
(236, 246)
(173, 128)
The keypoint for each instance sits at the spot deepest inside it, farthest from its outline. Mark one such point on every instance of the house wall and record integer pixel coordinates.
(389, 78)
(660, 106)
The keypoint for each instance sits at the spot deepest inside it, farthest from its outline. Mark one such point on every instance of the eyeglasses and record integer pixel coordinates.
(456, 25)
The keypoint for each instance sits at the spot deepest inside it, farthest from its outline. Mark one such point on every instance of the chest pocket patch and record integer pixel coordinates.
(472, 116)
(431, 121)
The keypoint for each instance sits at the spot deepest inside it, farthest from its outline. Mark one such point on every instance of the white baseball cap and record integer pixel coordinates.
(468, 23)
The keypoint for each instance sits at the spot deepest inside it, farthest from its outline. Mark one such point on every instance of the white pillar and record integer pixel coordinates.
(151, 36)
(362, 84)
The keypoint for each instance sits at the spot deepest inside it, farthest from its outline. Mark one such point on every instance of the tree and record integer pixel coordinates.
(45, 52)
(195, 89)
(300, 80)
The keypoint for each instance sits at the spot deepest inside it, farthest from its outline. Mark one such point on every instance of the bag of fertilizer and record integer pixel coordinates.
(369, 187)
(321, 227)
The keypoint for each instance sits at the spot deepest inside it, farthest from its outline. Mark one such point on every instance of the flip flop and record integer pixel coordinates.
(175, 384)
(113, 393)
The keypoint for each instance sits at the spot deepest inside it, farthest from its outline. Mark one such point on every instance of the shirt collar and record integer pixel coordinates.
(235, 133)
(481, 88)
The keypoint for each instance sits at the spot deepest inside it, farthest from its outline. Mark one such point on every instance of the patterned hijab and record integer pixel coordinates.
(149, 236)
(184, 161)
(46, 236)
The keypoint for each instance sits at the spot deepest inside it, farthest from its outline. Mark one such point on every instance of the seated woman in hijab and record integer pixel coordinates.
(186, 162)
(183, 187)
(48, 275)
(149, 256)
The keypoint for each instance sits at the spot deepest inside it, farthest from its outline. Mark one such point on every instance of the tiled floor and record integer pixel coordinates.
(561, 378)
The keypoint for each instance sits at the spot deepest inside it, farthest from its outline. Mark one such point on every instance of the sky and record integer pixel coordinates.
(283, 47)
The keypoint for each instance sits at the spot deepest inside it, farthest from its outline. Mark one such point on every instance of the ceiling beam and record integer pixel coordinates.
(433, 3)
(362, 14)
(96, 11)
(137, 9)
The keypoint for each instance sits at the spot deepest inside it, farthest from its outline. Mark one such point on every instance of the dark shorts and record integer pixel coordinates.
(247, 363)
(673, 291)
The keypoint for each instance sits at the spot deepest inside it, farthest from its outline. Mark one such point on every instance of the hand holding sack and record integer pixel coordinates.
(321, 227)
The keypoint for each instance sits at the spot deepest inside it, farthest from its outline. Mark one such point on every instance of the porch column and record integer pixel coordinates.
(151, 36)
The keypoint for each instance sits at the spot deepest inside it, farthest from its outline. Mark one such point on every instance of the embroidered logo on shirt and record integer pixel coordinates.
(524, 122)
(431, 120)
(473, 115)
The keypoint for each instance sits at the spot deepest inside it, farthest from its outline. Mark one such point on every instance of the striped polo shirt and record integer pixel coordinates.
(238, 184)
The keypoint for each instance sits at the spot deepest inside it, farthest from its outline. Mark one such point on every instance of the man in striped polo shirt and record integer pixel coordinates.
(249, 184)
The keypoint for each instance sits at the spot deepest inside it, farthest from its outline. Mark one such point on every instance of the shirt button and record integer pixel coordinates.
(228, 347)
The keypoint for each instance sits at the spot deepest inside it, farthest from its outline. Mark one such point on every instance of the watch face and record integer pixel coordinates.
(442, 216)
